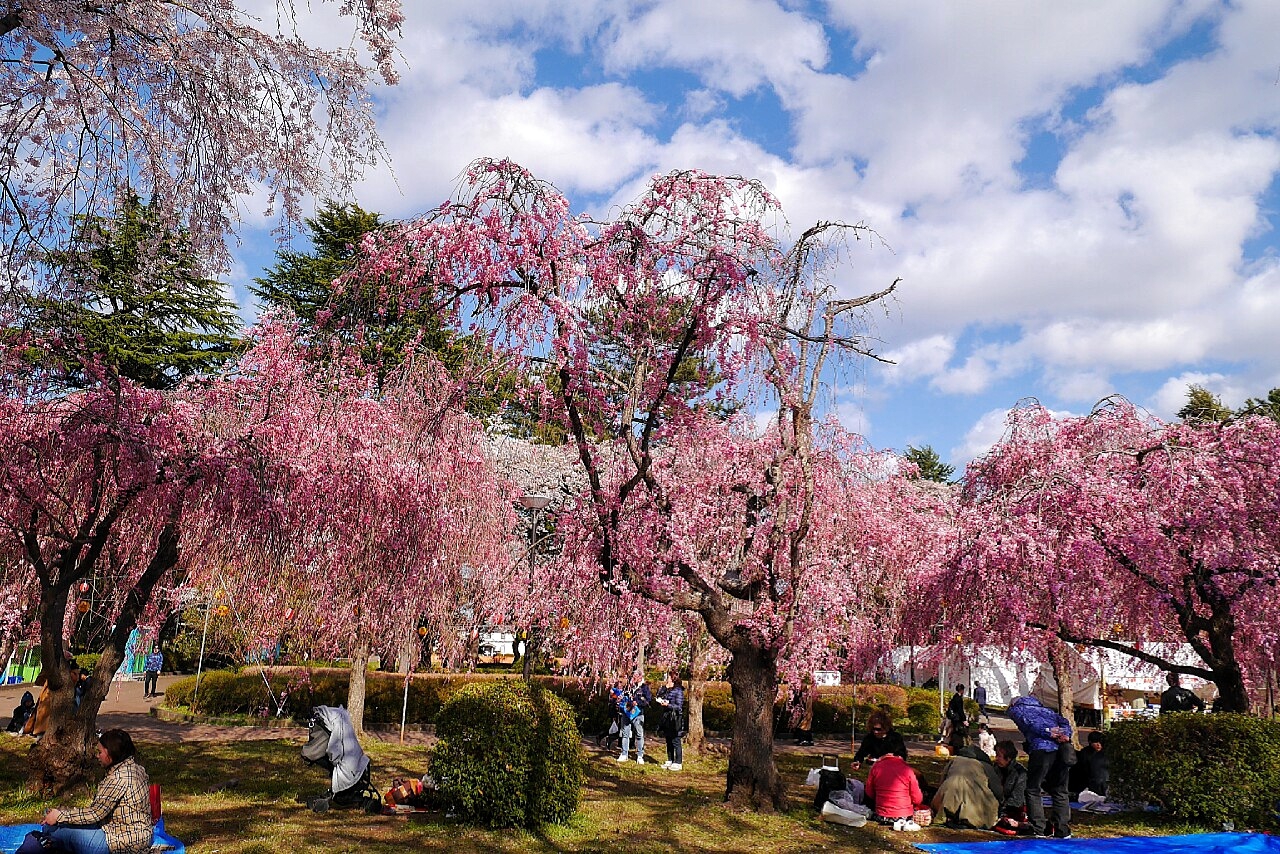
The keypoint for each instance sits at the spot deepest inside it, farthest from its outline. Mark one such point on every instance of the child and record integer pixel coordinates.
(986, 741)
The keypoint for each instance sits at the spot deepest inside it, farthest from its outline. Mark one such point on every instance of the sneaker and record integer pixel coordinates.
(666, 764)
(675, 766)
(639, 760)
(900, 824)
(624, 758)
(910, 826)
(1066, 835)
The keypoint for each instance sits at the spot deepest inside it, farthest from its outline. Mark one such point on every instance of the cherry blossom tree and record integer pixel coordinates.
(96, 487)
(1115, 529)
(680, 508)
(191, 105)
(389, 503)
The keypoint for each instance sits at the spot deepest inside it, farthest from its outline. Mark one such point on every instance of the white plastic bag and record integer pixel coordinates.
(812, 779)
(837, 815)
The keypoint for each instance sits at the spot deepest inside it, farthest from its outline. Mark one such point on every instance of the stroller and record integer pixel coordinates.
(332, 744)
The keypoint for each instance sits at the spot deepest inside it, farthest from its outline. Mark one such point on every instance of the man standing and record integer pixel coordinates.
(958, 732)
(151, 667)
(1178, 699)
(640, 696)
(1045, 731)
(980, 697)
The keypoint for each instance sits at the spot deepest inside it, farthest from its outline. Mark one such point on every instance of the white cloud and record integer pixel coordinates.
(925, 357)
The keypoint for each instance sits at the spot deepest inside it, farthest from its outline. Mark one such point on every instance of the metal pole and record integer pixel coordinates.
(404, 706)
(195, 695)
(529, 635)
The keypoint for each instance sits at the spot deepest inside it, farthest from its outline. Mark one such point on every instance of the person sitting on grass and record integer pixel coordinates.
(1013, 779)
(118, 821)
(965, 798)
(895, 792)
(881, 740)
(21, 712)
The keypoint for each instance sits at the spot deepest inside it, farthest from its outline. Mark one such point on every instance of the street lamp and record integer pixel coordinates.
(535, 503)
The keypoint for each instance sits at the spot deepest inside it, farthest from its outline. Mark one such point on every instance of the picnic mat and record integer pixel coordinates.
(11, 837)
(1195, 843)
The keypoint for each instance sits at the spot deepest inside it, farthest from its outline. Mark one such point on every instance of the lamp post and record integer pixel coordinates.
(535, 503)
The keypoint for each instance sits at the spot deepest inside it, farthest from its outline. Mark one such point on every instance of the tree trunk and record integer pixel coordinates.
(66, 754)
(753, 781)
(356, 684)
(695, 741)
(1062, 674)
(67, 751)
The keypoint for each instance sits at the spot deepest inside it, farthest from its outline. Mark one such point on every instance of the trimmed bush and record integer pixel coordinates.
(1206, 769)
(508, 754)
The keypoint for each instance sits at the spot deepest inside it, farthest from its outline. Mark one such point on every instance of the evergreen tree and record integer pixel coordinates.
(930, 464)
(1268, 406)
(130, 295)
(385, 329)
(1203, 407)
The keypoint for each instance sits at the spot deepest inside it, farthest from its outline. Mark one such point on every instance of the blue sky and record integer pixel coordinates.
(1080, 198)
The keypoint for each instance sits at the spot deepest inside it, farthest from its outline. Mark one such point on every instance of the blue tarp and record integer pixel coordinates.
(1195, 843)
(11, 837)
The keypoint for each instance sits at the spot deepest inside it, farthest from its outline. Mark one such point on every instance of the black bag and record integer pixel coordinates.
(829, 780)
(39, 842)
(1067, 754)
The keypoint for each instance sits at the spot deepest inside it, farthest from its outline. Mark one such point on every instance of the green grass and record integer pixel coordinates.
(625, 808)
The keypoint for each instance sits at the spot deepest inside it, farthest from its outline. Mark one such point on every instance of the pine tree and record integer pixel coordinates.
(129, 294)
(1203, 407)
(930, 464)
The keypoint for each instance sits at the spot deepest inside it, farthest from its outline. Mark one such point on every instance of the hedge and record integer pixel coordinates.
(508, 754)
(1207, 769)
(225, 693)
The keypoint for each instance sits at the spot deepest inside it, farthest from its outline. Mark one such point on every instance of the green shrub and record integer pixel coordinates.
(88, 660)
(1207, 769)
(508, 754)
(923, 718)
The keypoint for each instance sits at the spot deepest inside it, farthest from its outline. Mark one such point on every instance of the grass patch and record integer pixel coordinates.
(624, 808)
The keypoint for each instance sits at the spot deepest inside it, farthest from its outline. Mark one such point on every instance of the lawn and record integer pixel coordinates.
(625, 808)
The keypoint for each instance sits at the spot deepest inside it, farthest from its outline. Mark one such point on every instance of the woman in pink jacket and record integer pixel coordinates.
(893, 788)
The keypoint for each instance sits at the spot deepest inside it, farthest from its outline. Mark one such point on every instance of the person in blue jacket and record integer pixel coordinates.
(1045, 731)
(671, 698)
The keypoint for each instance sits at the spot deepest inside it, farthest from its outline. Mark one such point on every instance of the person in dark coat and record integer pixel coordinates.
(1178, 699)
(958, 718)
(881, 740)
(1093, 770)
(22, 711)
(671, 698)
(1013, 787)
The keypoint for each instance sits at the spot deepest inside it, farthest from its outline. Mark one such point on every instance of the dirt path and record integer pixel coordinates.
(125, 708)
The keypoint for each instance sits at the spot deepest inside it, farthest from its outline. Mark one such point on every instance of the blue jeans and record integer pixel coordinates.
(1046, 773)
(637, 727)
(82, 840)
(675, 750)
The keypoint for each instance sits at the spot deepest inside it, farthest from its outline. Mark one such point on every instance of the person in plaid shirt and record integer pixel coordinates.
(118, 820)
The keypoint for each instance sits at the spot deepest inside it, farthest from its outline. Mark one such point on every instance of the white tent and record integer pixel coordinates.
(1096, 672)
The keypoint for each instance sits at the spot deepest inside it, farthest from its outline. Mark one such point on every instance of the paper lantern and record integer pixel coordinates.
(626, 635)
(564, 622)
(355, 610)
(422, 631)
(83, 607)
(222, 610)
(289, 613)
(84, 587)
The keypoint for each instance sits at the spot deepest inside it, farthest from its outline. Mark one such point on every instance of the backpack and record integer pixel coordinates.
(829, 781)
